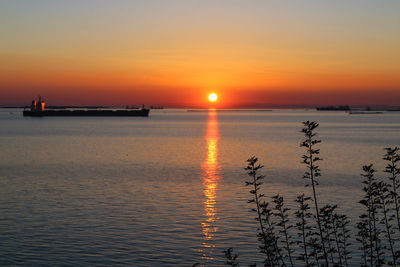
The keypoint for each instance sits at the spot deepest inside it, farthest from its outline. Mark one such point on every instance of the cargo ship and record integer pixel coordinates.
(37, 109)
(335, 108)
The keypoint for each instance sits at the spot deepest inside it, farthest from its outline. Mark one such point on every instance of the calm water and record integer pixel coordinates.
(167, 190)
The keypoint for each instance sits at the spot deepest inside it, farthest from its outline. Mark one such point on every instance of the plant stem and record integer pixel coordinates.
(396, 202)
(311, 167)
(259, 212)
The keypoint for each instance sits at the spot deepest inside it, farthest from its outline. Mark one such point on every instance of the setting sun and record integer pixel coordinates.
(212, 97)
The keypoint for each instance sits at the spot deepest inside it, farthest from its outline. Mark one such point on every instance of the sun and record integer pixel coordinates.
(212, 97)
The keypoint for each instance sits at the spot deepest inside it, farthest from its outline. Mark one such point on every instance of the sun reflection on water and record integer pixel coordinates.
(210, 182)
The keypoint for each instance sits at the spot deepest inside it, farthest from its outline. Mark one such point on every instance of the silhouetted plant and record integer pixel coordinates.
(266, 233)
(327, 226)
(385, 202)
(363, 237)
(273, 239)
(371, 202)
(316, 248)
(393, 170)
(342, 222)
(304, 229)
(337, 237)
(282, 214)
(335, 234)
(327, 242)
(310, 158)
(231, 258)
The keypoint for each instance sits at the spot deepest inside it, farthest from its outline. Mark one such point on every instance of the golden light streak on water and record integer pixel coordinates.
(210, 182)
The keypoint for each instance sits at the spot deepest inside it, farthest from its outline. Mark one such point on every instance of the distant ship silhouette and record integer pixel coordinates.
(334, 108)
(37, 109)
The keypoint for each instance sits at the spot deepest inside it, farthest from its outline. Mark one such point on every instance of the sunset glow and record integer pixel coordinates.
(135, 132)
(164, 53)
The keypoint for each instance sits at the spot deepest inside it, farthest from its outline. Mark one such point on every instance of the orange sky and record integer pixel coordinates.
(173, 53)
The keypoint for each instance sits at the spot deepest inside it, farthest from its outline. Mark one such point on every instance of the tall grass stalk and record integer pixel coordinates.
(326, 214)
(310, 159)
(344, 236)
(362, 237)
(393, 170)
(385, 201)
(304, 230)
(336, 235)
(371, 203)
(266, 231)
(282, 214)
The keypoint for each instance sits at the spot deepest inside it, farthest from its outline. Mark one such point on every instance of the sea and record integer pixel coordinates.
(169, 189)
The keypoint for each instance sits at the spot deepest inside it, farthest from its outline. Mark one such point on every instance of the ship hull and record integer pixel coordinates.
(334, 108)
(88, 113)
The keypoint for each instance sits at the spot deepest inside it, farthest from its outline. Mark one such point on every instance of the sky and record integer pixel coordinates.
(252, 53)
